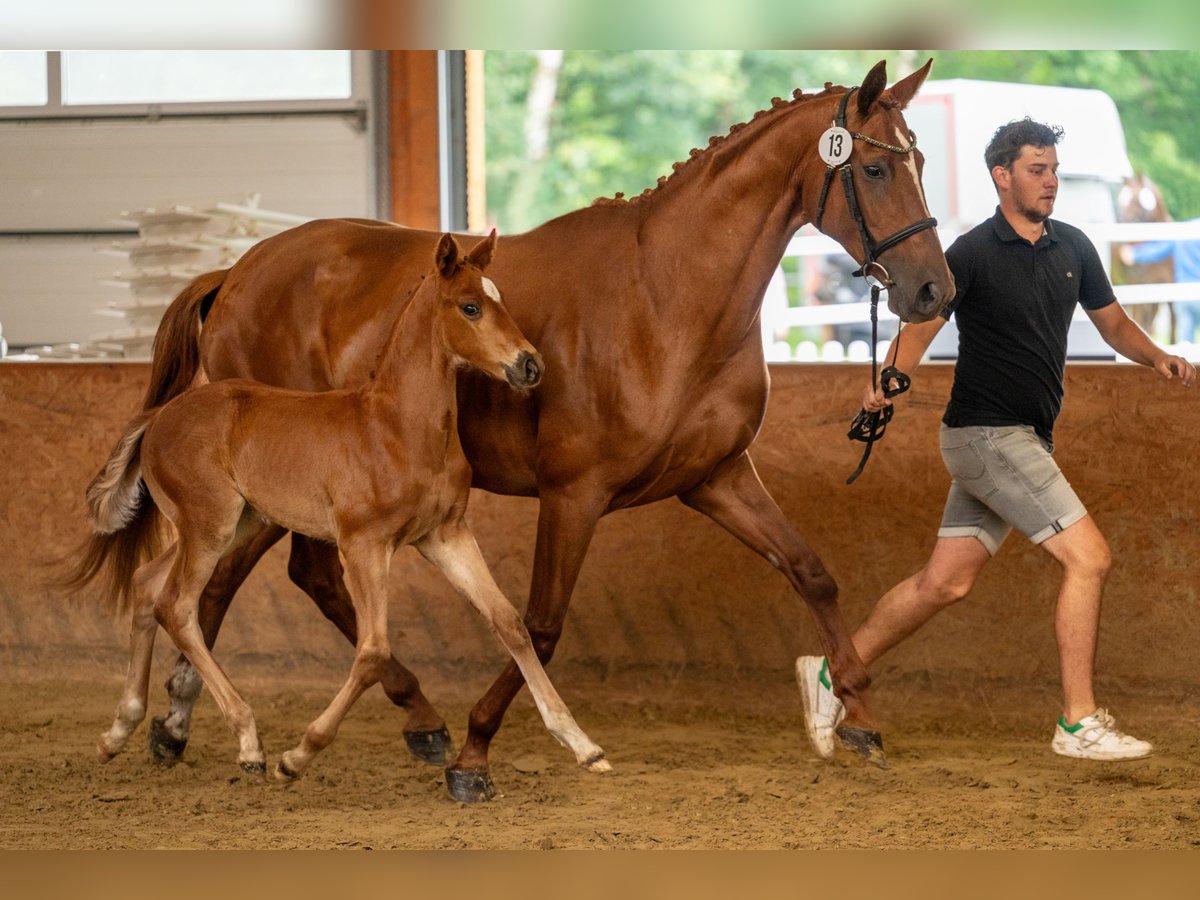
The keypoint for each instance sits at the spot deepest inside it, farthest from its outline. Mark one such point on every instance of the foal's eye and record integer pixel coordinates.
(471, 310)
(873, 171)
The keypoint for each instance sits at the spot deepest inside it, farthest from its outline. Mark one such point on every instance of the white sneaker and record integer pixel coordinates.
(822, 709)
(1096, 737)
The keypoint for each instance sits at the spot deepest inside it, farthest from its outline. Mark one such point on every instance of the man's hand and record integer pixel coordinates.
(1172, 367)
(873, 399)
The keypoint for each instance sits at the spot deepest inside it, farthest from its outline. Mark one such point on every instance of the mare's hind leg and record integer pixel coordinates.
(735, 499)
(169, 733)
(453, 550)
(148, 583)
(315, 568)
(366, 568)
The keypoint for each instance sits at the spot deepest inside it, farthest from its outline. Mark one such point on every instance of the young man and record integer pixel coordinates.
(1019, 276)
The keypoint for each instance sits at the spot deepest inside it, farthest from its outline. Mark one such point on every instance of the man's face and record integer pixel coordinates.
(1031, 183)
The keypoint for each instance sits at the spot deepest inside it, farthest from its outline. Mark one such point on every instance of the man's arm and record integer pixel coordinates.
(1123, 334)
(913, 341)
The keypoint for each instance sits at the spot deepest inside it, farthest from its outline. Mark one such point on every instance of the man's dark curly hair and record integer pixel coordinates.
(1005, 145)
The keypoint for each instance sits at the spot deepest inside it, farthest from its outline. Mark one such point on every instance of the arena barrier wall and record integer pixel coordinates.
(664, 591)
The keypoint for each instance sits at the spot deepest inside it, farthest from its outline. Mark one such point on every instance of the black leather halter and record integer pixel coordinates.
(869, 427)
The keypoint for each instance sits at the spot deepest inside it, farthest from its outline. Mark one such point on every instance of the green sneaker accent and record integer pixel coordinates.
(1069, 729)
(824, 677)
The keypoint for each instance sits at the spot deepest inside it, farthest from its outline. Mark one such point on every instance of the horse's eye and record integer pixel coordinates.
(873, 171)
(471, 310)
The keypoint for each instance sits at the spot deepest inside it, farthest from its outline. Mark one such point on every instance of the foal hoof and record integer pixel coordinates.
(470, 785)
(597, 763)
(434, 747)
(164, 746)
(103, 753)
(283, 774)
(867, 744)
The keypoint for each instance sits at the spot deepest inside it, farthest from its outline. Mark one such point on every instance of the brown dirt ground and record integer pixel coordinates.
(966, 771)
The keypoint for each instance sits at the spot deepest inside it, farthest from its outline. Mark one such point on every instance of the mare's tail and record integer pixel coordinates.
(176, 345)
(126, 523)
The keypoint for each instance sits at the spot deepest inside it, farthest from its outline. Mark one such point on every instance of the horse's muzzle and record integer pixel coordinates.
(526, 372)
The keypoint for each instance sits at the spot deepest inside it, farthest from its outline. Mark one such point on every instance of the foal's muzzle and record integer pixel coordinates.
(526, 372)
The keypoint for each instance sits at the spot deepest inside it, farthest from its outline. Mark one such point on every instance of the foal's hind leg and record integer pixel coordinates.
(453, 550)
(735, 499)
(148, 582)
(315, 568)
(169, 733)
(366, 567)
(201, 545)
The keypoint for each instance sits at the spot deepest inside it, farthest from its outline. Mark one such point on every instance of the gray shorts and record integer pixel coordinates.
(1003, 478)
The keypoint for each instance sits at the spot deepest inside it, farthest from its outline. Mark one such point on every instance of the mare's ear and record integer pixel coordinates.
(445, 258)
(905, 89)
(872, 87)
(481, 253)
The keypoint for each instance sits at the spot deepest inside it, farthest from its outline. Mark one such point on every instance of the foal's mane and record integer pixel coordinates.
(779, 107)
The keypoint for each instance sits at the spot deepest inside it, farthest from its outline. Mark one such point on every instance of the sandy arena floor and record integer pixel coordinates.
(685, 775)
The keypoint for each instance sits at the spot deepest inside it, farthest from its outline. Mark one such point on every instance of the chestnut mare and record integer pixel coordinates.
(378, 467)
(647, 313)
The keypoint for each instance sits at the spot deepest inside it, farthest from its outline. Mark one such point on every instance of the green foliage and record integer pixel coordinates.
(621, 118)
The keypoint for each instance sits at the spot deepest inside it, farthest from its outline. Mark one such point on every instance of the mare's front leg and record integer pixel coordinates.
(169, 733)
(148, 583)
(366, 563)
(566, 523)
(453, 550)
(315, 568)
(735, 499)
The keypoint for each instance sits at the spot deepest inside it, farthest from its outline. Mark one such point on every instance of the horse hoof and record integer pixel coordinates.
(102, 751)
(597, 763)
(867, 744)
(257, 769)
(434, 747)
(164, 746)
(283, 774)
(470, 785)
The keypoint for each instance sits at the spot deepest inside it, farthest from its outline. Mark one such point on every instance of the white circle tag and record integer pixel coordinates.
(835, 146)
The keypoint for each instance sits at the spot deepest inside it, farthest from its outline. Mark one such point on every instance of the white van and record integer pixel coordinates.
(955, 119)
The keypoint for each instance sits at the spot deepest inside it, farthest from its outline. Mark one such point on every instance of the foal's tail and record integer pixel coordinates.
(126, 523)
(176, 345)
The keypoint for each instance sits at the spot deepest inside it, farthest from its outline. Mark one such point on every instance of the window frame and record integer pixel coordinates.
(55, 110)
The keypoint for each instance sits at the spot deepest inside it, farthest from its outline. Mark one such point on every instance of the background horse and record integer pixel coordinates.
(1139, 200)
(380, 466)
(647, 312)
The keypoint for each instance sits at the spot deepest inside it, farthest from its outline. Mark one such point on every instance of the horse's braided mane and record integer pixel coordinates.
(778, 105)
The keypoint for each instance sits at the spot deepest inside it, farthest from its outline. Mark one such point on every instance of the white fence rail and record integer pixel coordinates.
(779, 316)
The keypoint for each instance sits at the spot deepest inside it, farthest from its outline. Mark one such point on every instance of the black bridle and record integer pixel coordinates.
(869, 427)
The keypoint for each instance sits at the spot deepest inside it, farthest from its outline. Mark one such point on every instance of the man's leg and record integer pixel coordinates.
(947, 578)
(1085, 559)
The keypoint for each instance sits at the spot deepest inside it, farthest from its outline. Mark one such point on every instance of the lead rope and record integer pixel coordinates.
(869, 427)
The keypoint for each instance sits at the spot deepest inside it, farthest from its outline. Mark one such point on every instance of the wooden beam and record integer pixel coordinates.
(413, 161)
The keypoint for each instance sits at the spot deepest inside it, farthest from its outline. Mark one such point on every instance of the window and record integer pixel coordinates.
(75, 83)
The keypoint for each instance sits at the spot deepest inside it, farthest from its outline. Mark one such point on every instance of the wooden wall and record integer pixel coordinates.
(663, 589)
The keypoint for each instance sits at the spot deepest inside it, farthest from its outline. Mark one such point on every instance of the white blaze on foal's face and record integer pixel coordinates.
(489, 288)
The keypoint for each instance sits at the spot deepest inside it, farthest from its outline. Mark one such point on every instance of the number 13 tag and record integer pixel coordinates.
(835, 146)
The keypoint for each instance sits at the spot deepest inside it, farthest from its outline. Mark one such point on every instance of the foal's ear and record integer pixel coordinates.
(446, 257)
(872, 87)
(905, 89)
(481, 253)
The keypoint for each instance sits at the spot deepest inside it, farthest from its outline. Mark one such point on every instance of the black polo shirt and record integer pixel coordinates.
(1013, 306)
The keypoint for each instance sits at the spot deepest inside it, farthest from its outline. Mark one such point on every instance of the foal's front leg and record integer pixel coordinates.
(366, 563)
(453, 550)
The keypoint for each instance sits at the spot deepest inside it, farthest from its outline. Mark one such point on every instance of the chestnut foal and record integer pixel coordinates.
(372, 469)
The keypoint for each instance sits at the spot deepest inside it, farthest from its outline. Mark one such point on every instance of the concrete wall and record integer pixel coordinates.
(664, 590)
